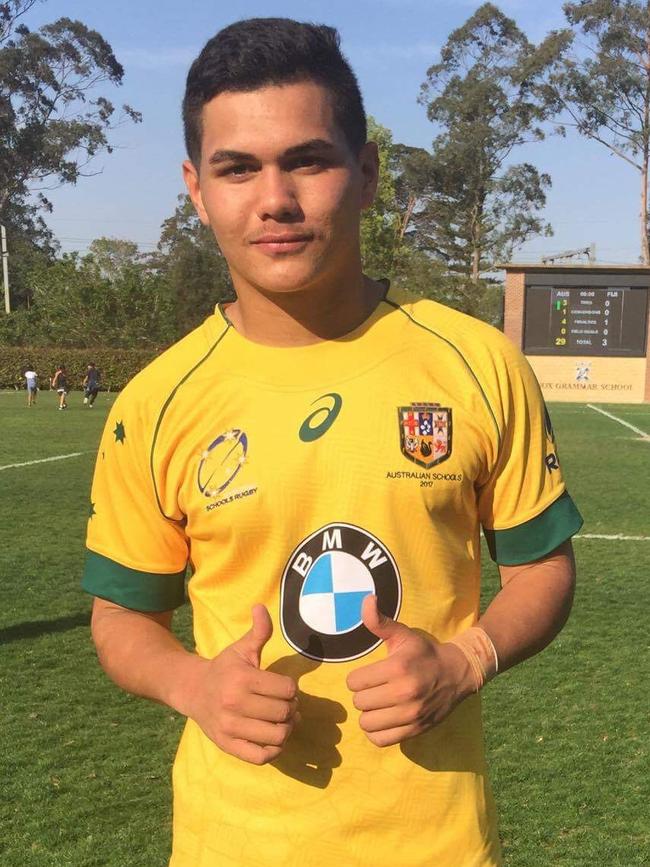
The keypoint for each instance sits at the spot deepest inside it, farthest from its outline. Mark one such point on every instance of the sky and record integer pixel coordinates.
(389, 43)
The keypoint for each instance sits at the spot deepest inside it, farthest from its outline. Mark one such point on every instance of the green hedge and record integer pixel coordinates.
(117, 366)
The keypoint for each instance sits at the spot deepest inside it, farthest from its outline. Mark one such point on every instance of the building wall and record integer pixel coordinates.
(513, 306)
(594, 379)
(647, 368)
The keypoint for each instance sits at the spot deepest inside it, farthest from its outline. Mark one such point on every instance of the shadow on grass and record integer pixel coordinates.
(36, 628)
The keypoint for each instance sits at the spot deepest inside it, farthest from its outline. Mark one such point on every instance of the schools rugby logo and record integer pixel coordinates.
(221, 462)
(425, 433)
(323, 586)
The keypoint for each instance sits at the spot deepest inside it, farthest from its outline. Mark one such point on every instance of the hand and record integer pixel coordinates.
(247, 711)
(415, 687)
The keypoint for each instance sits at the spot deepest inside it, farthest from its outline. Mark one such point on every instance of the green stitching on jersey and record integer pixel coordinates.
(131, 588)
(164, 410)
(462, 357)
(536, 538)
(307, 433)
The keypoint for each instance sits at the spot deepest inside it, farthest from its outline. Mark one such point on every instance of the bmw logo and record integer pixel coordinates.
(323, 586)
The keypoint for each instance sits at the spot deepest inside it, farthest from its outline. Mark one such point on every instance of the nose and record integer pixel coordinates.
(277, 196)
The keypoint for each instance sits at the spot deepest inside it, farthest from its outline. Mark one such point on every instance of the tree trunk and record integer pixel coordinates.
(408, 213)
(476, 263)
(645, 246)
(477, 231)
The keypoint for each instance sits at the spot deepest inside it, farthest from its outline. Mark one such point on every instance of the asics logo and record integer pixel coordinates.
(321, 419)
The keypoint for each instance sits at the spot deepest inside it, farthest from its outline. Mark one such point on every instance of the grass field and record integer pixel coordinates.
(85, 768)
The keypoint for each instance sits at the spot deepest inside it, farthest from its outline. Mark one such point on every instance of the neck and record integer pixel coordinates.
(305, 316)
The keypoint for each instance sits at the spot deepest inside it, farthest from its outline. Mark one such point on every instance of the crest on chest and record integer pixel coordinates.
(425, 433)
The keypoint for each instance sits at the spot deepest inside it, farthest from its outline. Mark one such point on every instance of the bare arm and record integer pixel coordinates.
(421, 681)
(247, 711)
(138, 651)
(532, 606)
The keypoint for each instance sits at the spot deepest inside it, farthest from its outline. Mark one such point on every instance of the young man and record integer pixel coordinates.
(91, 384)
(323, 452)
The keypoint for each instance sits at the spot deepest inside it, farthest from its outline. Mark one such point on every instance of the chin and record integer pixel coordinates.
(287, 283)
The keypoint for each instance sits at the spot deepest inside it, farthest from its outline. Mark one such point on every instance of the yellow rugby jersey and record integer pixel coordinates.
(304, 478)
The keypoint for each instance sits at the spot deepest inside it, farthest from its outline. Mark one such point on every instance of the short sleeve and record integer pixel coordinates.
(524, 507)
(136, 557)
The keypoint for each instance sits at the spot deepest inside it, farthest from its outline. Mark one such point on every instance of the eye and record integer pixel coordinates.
(307, 161)
(237, 170)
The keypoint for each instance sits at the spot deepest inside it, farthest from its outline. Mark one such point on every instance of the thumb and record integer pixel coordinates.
(391, 631)
(251, 644)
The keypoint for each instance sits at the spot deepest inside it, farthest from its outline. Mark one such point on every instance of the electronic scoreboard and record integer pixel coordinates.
(582, 320)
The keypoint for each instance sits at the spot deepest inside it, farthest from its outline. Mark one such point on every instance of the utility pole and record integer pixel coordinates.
(5, 267)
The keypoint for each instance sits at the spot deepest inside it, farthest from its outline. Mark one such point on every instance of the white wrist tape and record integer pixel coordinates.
(477, 647)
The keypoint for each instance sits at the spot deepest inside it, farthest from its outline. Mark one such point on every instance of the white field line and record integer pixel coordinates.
(41, 461)
(618, 537)
(637, 430)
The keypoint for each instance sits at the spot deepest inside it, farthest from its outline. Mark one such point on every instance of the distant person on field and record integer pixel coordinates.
(31, 378)
(60, 385)
(91, 384)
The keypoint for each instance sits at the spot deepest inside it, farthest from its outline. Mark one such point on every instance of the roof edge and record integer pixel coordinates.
(600, 268)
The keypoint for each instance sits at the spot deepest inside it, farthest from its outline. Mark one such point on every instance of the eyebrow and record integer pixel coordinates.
(320, 144)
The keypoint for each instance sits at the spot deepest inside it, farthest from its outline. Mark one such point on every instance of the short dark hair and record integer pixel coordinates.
(258, 52)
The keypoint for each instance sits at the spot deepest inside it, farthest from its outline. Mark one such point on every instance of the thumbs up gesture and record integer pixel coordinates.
(247, 711)
(415, 687)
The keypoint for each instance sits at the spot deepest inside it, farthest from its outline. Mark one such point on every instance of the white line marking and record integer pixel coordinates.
(638, 430)
(41, 461)
(618, 537)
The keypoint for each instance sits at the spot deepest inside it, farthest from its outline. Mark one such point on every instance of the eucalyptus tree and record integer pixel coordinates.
(486, 96)
(382, 236)
(605, 85)
(192, 266)
(54, 119)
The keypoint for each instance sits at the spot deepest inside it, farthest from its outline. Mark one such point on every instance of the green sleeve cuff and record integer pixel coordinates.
(131, 588)
(536, 538)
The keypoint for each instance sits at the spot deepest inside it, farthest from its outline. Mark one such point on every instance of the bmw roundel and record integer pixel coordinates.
(324, 583)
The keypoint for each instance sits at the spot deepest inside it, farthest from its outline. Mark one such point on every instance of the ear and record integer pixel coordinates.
(192, 182)
(369, 163)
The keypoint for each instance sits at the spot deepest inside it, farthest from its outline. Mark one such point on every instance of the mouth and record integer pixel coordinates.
(285, 242)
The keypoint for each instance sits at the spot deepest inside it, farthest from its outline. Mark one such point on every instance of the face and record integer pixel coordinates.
(281, 188)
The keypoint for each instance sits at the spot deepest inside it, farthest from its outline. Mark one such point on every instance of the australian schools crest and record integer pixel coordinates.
(425, 433)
